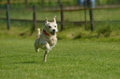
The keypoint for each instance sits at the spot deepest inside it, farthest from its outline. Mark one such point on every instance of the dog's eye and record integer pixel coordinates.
(49, 26)
(55, 26)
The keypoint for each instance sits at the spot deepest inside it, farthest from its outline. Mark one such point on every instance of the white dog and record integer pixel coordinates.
(47, 39)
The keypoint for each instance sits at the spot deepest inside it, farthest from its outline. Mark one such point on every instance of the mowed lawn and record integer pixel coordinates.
(73, 59)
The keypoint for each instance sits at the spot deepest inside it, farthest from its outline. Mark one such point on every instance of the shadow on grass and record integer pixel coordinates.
(26, 62)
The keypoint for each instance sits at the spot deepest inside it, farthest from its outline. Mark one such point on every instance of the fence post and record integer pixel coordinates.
(8, 16)
(34, 18)
(91, 19)
(8, 2)
(62, 16)
(85, 7)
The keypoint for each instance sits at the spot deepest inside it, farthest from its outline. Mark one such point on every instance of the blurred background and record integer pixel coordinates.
(77, 19)
(88, 39)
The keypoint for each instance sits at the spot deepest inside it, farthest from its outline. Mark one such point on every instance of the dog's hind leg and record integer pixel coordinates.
(45, 55)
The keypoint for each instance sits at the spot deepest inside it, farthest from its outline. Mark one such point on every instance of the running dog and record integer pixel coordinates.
(48, 38)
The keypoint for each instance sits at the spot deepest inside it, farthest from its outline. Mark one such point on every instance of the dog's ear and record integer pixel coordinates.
(54, 19)
(46, 20)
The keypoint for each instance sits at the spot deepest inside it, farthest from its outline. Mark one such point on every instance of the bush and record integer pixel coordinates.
(104, 31)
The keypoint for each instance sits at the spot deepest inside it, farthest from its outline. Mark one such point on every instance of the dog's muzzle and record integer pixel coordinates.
(53, 32)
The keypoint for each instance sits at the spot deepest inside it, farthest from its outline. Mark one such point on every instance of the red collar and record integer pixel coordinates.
(45, 33)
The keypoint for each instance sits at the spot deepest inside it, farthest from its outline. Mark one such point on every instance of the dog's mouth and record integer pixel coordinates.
(53, 33)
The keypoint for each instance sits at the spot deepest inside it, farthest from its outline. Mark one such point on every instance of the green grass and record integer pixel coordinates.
(73, 59)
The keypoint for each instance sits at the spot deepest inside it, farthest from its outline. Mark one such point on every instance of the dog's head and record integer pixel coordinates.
(51, 27)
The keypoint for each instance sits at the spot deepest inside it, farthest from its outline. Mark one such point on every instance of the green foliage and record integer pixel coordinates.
(104, 31)
(24, 30)
(113, 2)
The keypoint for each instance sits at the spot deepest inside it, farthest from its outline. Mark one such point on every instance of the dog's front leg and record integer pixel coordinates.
(47, 46)
(45, 55)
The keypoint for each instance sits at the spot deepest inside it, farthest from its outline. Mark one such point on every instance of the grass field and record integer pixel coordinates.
(73, 59)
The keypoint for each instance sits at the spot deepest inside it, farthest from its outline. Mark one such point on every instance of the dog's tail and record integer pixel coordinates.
(38, 35)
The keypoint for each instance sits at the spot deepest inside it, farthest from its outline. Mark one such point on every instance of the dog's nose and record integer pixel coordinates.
(53, 30)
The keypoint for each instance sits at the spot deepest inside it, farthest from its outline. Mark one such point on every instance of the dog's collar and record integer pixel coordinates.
(45, 33)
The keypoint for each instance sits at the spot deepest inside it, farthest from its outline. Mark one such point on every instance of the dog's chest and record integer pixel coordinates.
(52, 41)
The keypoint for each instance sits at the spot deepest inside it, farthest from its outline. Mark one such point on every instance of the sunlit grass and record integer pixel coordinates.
(73, 59)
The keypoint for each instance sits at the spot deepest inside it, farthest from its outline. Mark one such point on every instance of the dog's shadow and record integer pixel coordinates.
(26, 62)
(30, 63)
